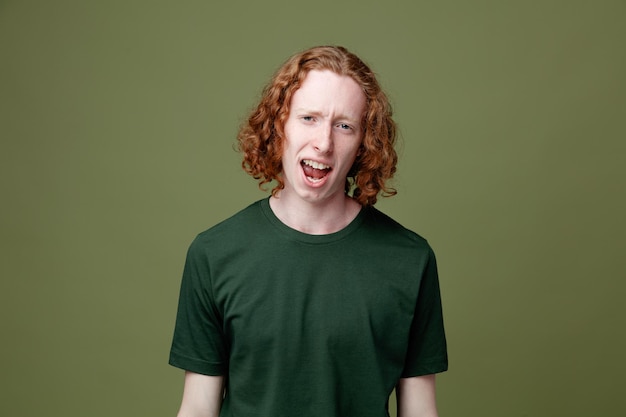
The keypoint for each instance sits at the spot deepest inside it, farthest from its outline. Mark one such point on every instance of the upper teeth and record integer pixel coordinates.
(315, 164)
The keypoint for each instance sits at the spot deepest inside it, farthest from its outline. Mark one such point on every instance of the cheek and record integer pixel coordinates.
(294, 141)
(351, 150)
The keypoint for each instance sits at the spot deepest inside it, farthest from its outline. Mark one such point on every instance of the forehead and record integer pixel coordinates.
(328, 92)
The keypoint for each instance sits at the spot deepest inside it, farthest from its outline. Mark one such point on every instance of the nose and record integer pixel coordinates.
(323, 141)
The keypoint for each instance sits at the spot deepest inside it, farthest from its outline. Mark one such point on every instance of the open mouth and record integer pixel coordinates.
(315, 171)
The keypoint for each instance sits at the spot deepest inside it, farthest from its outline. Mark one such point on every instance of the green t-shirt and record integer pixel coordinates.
(309, 325)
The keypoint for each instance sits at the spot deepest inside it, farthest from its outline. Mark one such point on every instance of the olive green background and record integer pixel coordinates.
(117, 120)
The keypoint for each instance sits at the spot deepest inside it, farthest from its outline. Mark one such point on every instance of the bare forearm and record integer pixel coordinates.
(202, 396)
(416, 397)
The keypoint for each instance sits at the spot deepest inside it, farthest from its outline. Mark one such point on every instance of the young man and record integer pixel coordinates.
(311, 302)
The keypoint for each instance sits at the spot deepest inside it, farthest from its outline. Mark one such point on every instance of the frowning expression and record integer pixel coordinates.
(323, 133)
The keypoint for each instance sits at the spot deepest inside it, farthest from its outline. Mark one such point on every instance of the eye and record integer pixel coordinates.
(308, 118)
(344, 126)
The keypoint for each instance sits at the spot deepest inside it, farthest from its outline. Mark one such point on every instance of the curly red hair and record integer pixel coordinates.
(260, 139)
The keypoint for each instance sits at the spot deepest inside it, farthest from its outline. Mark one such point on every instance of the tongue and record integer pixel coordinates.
(309, 171)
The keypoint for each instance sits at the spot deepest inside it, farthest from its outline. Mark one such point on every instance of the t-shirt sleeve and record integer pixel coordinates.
(427, 350)
(198, 344)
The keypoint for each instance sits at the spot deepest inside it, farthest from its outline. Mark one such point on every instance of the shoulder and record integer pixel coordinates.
(383, 226)
(241, 224)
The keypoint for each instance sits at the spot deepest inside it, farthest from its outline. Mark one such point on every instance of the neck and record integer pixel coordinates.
(315, 218)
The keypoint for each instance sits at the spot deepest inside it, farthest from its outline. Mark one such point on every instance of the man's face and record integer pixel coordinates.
(322, 136)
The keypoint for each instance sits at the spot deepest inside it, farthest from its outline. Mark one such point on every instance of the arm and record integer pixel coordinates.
(416, 397)
(202, 395)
